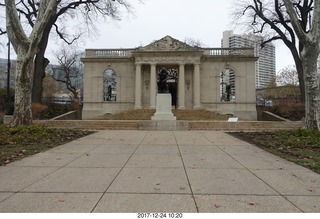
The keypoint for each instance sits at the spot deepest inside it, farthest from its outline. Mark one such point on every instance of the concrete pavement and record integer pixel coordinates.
(164, 171)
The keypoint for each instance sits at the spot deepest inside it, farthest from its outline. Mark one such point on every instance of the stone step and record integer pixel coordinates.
(172, 125)
(91, 124)
(244, 125)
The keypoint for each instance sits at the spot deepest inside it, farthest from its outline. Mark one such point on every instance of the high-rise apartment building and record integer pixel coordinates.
(266, 64)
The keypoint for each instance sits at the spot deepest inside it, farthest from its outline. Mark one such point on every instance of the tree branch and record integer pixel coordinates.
(265, 42)
(295, 21)
(61, 35)
(2, 32)
(315, 31)
(47, 9)
(14, 28)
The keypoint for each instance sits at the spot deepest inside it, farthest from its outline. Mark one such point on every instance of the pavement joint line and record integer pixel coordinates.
(275, 193)
(12, 194)
(250, 170)
(58, 168)
(105, 192)
(185, 171)
(231, 156)
(148, 193)
(203, 194)
(152, 193)
(286, 198)
(45, 192)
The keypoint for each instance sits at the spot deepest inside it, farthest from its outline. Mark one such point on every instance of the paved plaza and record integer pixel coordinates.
(164, 171)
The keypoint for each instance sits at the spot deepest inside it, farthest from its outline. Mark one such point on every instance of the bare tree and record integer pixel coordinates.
(68, 70)
(42, 15)
(49, 87)
(269, 93)
(193, 42)
(310, 42)
(26, 48)
(288, 76)
(288, 81)
(85, 14)
(270, 18)
(296, 23)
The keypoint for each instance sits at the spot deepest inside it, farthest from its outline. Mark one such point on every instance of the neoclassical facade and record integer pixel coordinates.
(216, 79)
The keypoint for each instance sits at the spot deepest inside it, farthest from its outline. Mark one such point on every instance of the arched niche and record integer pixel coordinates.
(227, 85)
(109, 85)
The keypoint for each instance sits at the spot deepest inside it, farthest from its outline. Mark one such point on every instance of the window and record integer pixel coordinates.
(227, 85)
(110, 85)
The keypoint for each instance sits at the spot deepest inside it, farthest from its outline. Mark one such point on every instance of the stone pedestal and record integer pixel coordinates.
(163, 109)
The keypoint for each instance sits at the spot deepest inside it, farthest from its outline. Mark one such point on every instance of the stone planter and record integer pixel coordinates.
(7, 119)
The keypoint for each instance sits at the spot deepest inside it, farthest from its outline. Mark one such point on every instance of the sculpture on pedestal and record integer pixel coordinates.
(163, 77)
(164, 107)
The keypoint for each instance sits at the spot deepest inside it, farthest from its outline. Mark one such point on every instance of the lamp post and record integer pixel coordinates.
(8, 71)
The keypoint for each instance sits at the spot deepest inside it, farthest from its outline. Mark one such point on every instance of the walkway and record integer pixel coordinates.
(144, 171)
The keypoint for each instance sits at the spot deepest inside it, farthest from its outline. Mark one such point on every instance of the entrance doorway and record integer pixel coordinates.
(173, 91)
(172, 83)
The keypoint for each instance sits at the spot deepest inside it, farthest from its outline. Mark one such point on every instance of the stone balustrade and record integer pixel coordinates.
(247, 52)
(108, 52)
(243, 52)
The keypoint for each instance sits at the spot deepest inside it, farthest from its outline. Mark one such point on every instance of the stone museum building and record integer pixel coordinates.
(216, 79)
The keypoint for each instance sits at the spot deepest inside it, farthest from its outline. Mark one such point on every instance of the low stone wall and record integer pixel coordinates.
(72, 115)
(90, 124)
(243, 125)
(268, 116)
(171, 125)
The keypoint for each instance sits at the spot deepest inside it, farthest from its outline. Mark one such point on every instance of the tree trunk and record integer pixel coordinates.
(302, 86)
(26, 48)
(41, 63)
(299, 68)
(24, 77)
(312, 106)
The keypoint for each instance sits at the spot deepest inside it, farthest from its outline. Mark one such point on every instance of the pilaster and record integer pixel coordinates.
(181, 87)
(196, 86)
(153, 86)
(137, 103)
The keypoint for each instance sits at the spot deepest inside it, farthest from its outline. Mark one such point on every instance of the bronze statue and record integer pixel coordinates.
(163, 76)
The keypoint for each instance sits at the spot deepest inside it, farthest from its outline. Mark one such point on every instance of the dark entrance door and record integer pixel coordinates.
(173, 91)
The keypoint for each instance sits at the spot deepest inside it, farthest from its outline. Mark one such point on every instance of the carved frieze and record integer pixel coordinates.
(168, 43)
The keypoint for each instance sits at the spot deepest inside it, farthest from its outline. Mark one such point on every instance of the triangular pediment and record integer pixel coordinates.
(168, 43)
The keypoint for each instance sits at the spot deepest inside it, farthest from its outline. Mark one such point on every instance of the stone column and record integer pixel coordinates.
(196, 86)
(153, 86)
(137, 101)
(181, 87)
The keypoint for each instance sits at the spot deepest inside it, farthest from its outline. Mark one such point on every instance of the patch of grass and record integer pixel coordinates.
(17, 143)
(140, 114)
(145, 114)
(199, 114)
(300, 146)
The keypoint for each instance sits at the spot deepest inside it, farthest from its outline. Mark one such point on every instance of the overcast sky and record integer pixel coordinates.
(204, 20)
